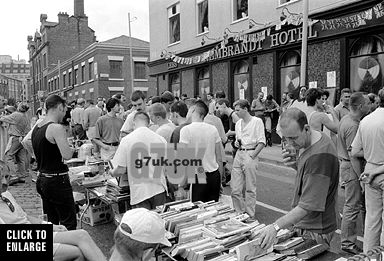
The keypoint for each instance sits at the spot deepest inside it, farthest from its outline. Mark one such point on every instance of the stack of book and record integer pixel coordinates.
(115, 192)
(214, 231)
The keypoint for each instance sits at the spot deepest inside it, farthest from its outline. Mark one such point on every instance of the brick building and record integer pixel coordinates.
(103, 69)
(244, 46)
(10, 88)
(17, 69)
(56, 42)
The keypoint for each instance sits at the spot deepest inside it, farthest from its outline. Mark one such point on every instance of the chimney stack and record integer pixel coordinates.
(79, 8)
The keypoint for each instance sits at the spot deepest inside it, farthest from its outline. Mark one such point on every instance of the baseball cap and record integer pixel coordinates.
(146, 226)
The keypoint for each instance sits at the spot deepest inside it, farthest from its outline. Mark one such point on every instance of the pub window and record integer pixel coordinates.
(140, 70)
(290, 73)
(366, 64)
(240, 9)
(116, 71)
(202, 12)
(174, 82)
(203, 82)
(240, 79)
(44, 60)
(174, 23)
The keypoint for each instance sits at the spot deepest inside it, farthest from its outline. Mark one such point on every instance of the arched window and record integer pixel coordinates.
(203, 82)
(174, 81)
(366, 64)
(240, 79)
(290, 73)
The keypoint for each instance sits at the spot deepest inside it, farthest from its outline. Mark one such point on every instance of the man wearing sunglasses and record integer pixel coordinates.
(67, 245)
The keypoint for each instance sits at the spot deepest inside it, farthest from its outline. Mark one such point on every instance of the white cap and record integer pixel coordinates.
(147, 226)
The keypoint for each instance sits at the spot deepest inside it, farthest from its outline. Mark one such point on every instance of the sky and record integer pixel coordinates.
(108, 18)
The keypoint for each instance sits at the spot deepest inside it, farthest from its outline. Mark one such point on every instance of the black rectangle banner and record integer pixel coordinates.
(26, 241)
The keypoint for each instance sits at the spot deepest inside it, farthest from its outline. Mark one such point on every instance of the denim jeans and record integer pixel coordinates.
(17, 155)
(58, 203)
(243, 183)
(352, 206)
(374, 201)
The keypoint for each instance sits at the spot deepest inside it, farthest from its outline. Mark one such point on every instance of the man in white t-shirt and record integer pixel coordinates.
(250, 139)
(203, 135)
(147, 191)
(158, 115)
(138, 104)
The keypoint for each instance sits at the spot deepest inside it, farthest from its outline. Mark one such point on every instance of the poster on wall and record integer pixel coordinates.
(331, 79)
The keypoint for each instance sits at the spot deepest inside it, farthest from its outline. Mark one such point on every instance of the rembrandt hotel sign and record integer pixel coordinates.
(242, 43)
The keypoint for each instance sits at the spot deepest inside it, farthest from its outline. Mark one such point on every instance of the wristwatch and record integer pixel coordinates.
(276, 227)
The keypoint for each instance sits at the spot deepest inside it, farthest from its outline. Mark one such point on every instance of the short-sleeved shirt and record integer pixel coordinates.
(370, 137)
(141, 188)
(252, 134)
(166, 131)
(175, 137)
(128, 124)
(77, 115)
(347, 131)
(258, 107)
(91, 115)
(108, 129)
(316, 186)
(341, 111)
(192, 135)
(215, 121)
(19, 123)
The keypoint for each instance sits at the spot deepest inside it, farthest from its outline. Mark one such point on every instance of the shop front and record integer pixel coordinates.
(346, 51)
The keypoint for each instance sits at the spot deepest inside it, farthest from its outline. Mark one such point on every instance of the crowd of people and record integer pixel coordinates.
(329, 147)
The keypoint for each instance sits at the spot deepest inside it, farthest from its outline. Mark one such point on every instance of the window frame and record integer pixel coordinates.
(198, 3)
(120, 74)
(235, 10)
(169, 16)
(135, 74)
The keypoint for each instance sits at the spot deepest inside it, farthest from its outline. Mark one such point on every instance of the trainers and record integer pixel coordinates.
(352, 250)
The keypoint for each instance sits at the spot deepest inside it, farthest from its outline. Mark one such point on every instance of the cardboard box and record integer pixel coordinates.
(98, 213)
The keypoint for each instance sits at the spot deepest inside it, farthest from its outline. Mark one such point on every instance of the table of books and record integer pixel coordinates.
(214, 231)
(103, 198)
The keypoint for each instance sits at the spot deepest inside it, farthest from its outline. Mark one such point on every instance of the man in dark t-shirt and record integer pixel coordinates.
(313, 211)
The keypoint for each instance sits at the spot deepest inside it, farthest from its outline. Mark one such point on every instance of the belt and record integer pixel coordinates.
(47, 175)
(243, 149)
(114, 144)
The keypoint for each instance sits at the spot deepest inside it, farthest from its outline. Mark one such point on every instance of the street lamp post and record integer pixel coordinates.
(130, 50)
(304, 45)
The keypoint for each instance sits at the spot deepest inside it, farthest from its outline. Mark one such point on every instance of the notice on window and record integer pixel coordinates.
(313, 84)
(331, 79)
(242, 94)
(265, 91)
